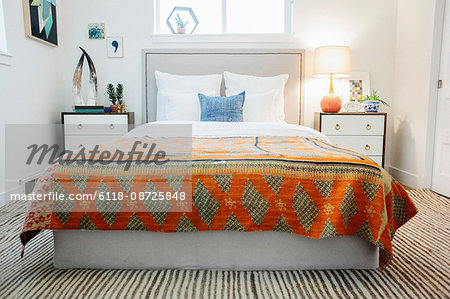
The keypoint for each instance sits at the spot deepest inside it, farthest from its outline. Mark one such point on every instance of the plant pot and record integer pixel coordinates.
(113, 108)
(181, 30)
(371, 106)
(121, 108)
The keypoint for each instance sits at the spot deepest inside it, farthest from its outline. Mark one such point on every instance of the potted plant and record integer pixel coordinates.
(371, 103)
(181, 26)
(119, 96)
(112, 97)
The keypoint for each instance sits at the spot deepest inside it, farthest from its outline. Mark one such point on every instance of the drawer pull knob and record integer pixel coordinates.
(368, 127)
(111, 126)
(80, 126)
(367, 147)
(337, 127)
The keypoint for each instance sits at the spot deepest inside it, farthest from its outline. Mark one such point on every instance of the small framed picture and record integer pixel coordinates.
(114, 46)
(96, 30)
(356, 87)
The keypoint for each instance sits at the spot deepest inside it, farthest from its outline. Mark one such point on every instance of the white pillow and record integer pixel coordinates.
(252, 84)
(183, 105)
(259, 107)
(184, 84)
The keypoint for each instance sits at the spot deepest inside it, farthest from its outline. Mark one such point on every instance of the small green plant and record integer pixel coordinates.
(119, 94)
(180, 23)
(111, 93)
(373, 97)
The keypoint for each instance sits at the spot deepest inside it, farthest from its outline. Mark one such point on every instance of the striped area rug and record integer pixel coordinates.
(420, 269)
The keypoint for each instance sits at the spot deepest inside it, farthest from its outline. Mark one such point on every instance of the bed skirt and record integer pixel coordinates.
(214, 250)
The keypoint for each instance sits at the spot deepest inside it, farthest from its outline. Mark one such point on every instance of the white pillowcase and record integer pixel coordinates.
(258, 107)
(259, 85)
(183, 105)
(206, 84)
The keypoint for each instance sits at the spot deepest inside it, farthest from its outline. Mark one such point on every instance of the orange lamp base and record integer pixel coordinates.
(331, 103)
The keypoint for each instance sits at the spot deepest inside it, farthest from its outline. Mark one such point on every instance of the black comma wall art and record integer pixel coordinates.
(40, 20)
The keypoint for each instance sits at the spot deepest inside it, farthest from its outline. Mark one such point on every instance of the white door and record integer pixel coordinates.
(441, 165)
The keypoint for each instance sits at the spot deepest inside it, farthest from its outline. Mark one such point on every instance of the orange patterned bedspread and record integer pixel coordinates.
(288, 184)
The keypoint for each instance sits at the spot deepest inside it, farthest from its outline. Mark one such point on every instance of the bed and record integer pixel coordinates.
(264, 196)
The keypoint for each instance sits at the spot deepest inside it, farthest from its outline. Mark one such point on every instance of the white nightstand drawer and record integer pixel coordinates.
(95, 119)
(377, 159)
(74, 142)
(366, 145)
(361, 132)
(110, 129)
(95, 124)
(353, 125)
(85, 129)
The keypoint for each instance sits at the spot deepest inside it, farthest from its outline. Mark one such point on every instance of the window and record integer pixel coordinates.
(223, 16)
(3, 47)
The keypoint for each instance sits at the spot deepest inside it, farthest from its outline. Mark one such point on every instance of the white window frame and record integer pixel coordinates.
(289, 8)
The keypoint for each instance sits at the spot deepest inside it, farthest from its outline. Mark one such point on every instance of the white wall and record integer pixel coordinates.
(413, 69)
(31, 89)
(316, 23)
(133, 22)
(367, 27)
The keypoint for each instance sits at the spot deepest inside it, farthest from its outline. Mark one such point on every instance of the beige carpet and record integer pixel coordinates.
(420, 269)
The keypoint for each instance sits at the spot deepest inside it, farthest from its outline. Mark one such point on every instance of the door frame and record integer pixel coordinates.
(434, 91)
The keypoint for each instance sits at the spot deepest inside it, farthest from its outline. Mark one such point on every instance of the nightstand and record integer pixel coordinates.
(81, 129)
(364, 133)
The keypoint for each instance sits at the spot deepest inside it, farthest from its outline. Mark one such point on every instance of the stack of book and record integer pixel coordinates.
(89, 109)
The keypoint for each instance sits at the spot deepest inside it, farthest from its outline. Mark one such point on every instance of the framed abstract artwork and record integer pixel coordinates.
(114, 46)
(96, 30)
(356, 86)
(40, 20)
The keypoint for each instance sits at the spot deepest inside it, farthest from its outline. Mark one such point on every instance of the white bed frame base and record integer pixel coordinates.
(210, 250)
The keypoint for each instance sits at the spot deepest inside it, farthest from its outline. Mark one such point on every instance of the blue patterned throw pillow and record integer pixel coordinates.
(226, 109)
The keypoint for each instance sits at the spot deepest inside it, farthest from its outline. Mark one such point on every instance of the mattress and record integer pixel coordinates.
(242, 178)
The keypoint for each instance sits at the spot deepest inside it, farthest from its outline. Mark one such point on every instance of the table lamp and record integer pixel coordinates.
(333, 62)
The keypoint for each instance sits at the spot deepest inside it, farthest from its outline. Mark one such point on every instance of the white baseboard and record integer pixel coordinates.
(5, 197)
(404, 177)
(17, 186)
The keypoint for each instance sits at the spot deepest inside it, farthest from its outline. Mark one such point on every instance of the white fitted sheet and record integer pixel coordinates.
(229, 129)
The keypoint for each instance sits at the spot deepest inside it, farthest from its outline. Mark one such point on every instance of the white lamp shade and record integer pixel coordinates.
(332, 60)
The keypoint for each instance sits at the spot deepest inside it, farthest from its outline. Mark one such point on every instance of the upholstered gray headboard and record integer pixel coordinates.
(214, 61)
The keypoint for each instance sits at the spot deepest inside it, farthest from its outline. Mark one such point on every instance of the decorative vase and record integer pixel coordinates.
(181, 30)
(371, 106)
(113, 108)
(77, 98)
(331, 103)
